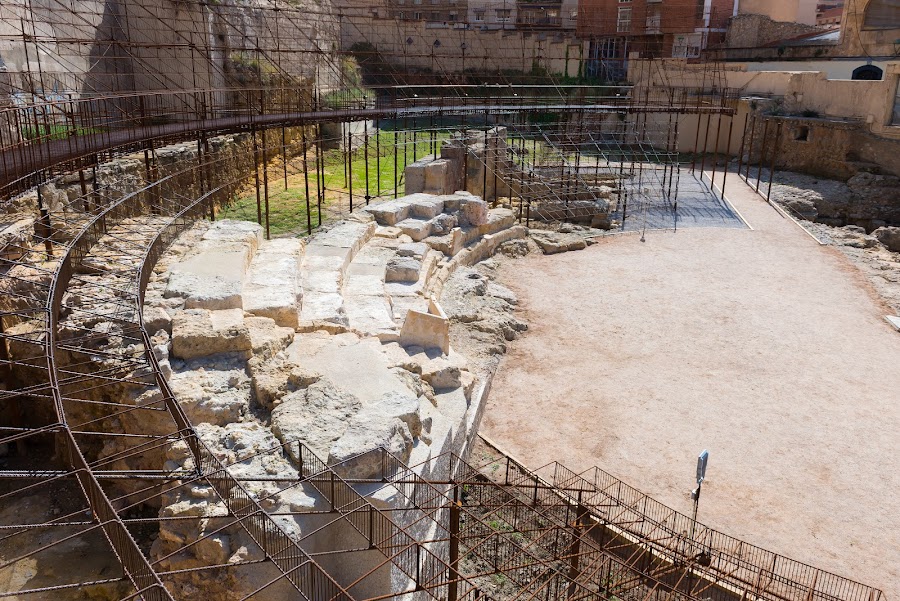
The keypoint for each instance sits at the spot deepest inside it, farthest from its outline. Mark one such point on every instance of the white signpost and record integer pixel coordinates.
(702, 460)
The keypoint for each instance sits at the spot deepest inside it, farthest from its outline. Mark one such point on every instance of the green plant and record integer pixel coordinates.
(55, 131)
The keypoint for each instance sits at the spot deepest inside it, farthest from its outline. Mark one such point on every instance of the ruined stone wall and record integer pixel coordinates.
(837, 150)
(490, 50)
(751, 30)
(83, 48)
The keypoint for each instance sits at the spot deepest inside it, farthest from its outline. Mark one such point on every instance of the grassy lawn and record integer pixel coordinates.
(287, 206)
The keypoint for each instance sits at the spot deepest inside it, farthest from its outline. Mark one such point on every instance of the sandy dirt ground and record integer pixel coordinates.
(760, 345)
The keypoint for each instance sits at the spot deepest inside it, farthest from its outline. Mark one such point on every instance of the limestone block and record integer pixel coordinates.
(15, 236)
(414, 177)
(213, 279)
(241, 232)
(473, 212)
(390, 212)
(271, 288)
(350, 235)
(357, 454)
(425, 206)
(403, 269)
(554, 242)
(412, 249)
(427, 330)
(156, 319)
(437, 177)
(417, 229)
(889, 236)
(497, 220)
(200, 333)
(443, 224)
(442, 374)
(271, 380)
(267, 338)
(387, 231)
(317, 416)
(371, 315)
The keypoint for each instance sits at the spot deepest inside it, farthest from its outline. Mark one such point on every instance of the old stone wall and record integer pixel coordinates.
(751, 30)
(836, 150)
(441, 49)
(90, 47)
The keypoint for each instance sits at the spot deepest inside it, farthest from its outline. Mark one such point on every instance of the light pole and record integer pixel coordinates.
(702, 460)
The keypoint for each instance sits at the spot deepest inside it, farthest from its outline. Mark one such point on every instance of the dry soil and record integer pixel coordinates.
(760, 345)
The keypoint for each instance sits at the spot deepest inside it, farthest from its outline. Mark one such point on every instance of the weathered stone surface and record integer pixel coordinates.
(392, 422)
(417, 229)
(317, 416)
(212, 396)
(412, 249)
(442, 373)
(553, 242)
(389, 213)
(803, 208)
(200, 333)
(156, 319)
(271, 287)
(266, 337)
(271, 380)
(403, 269)
(427, 330)
(424, 206)
(474, 212)
(889, 236)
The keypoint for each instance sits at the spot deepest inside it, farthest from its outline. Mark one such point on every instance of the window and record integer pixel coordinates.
(503, 14)
(623, 23)
(801, 133)
(867, 73)
(417, 16)
(479, 15)
(653, 20)
(453, 17)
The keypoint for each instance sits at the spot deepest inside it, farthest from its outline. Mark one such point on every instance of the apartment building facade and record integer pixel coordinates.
(618, 29)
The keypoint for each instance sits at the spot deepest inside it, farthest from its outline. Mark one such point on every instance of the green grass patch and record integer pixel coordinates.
(55, 131)
(287, 207)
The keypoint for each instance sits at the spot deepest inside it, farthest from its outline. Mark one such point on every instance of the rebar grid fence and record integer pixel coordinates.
(722, 566)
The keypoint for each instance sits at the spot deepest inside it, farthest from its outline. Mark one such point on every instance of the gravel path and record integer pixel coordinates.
(760, 345)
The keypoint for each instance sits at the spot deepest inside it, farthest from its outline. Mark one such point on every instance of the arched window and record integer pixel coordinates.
(868, 73)
(882, 14)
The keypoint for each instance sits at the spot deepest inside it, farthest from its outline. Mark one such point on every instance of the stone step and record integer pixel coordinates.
(271, 288)
(367, 306)
(325, 263)
(213, 276)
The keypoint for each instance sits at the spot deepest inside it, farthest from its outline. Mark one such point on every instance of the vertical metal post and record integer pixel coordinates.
(762, 152)
(727, 150)
(774, 158)
(712, 178)
(705, 146)
(452, 586)
(284, 153)
(256, 177)
(395, 160)
(377, 158)
(350, 164)
(305, 151)
(265, 154)
(750, 149)
(366, 157)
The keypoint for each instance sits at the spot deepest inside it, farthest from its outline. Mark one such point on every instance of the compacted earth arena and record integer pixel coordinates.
(758, 344)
